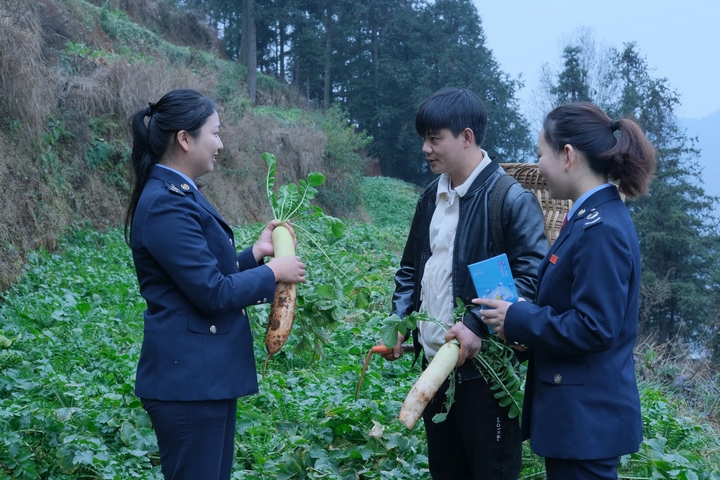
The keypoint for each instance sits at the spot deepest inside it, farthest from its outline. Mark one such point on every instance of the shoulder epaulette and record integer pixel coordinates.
(593, 217)
(172, 188)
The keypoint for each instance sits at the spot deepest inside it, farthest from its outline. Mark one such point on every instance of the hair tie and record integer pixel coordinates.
(614, 125)
(149, 110)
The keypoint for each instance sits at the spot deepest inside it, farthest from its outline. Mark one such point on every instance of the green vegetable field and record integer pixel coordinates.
(70, 335)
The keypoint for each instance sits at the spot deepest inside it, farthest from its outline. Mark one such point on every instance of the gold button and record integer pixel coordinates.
(557, 379)
(213, 330)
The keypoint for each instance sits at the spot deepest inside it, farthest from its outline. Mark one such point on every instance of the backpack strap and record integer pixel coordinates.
(497, 196)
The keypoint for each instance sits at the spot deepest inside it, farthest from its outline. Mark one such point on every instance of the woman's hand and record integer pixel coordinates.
(494, 315)
(264, 245)
(288, 269)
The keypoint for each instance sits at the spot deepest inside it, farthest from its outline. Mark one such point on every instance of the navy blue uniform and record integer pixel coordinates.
(197, 343)
(197, 353)
(581, 397)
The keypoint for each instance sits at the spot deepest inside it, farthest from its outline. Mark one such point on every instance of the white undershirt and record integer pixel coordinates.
(437, 289)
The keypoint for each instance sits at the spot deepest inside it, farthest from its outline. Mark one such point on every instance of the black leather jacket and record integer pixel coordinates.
(524, 239)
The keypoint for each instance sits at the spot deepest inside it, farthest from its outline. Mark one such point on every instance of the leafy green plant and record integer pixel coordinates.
(74, 321)
(494, 361)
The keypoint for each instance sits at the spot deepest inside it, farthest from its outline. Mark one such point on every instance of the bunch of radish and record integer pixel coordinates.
(289, 203)
(494, 362)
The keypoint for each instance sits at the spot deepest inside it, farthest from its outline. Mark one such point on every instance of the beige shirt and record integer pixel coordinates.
(437, 288)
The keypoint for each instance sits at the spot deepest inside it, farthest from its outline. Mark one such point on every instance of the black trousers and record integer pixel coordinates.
(560, 469)
(477, 440)
(196, 439)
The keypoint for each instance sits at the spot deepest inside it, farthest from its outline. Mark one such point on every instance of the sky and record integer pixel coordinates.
(679, 39)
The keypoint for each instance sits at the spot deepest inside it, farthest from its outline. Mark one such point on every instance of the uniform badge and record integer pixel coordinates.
(185, 186)
(172, 188)
(553, 259)
(581, 212)
(593, 218)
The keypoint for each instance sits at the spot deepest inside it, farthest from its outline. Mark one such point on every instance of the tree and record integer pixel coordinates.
(397, 65)
(248, 47)
(572, 83)
(678, 234)
(378, 61)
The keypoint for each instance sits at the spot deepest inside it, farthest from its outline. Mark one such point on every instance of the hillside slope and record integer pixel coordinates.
(71, 73)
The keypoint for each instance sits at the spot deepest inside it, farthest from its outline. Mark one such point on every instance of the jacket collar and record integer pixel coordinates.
(479, 181)
(172, 178)
(598, 198)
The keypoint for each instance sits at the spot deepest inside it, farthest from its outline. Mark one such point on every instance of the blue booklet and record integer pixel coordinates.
(493, 279)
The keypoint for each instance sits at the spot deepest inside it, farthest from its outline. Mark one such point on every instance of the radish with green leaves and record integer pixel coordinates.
(291, 202)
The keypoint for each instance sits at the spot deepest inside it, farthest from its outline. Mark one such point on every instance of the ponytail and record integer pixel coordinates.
(617, 149)
(632, 160)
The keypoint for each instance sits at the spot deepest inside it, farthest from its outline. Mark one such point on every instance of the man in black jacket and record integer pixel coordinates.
(451, 229)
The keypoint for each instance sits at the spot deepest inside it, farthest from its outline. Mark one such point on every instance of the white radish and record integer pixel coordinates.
(429, 382)
(282, 312)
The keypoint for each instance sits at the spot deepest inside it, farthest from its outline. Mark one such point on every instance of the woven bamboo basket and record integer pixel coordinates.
(554, 210)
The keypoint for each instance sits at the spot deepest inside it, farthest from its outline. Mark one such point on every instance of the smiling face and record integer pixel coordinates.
(202, 150)
(446, 153)
(553, 166)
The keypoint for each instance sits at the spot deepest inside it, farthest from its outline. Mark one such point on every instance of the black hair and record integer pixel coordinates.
(626, 157)
(455, 109)
(182, 109)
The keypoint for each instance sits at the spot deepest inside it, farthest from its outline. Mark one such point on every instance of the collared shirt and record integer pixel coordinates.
(179, 173)
(437, 288)
(585, 196)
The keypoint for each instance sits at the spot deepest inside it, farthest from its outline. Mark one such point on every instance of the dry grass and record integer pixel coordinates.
(687, 369)
(25, 94)
(118, 88)
(49, 188)
(180, 28)
(237, 187)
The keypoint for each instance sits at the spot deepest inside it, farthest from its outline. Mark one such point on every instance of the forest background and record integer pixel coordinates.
(325, 85)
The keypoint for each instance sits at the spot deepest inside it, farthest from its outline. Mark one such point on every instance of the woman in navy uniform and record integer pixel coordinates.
(197, 352)
(582, 408)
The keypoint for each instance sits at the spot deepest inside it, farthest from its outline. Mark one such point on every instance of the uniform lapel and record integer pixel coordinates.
(202, 201)
(169, 176)
(596, 199)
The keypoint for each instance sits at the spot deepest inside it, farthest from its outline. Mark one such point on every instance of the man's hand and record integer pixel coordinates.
(396, 351)
(469, 342)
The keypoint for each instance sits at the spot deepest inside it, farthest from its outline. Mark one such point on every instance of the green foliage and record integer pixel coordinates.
(572, 83)
(342, 151)
(74, 328)
(386, 200)
(494, 361)
(108, 153)
(675, 446)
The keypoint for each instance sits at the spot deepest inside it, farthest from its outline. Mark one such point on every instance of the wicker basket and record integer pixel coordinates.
(554, 210)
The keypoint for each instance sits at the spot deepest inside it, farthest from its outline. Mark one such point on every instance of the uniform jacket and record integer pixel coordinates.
(581, 397)
(197, 342)
(524, 238)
